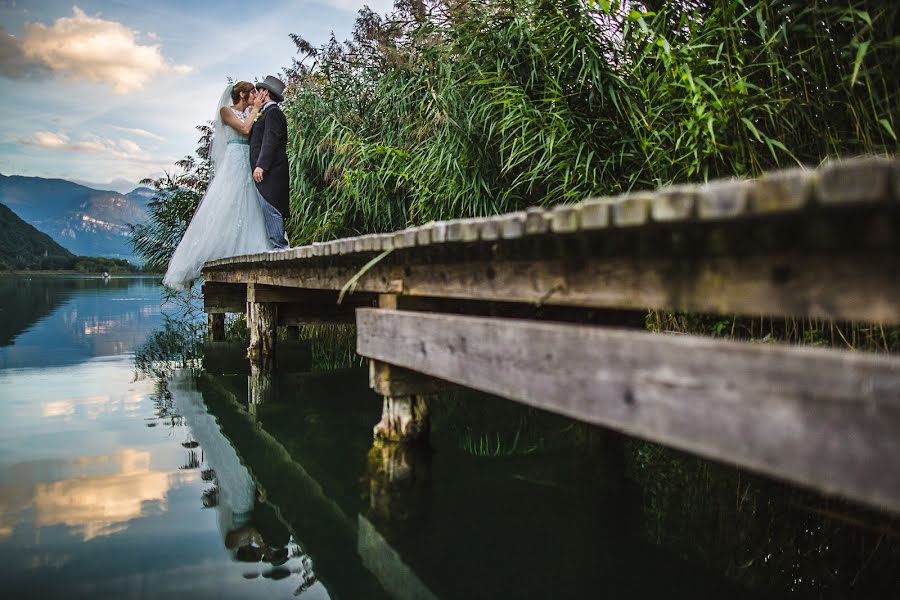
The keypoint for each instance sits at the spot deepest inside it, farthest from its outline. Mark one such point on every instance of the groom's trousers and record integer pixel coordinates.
(274, 224)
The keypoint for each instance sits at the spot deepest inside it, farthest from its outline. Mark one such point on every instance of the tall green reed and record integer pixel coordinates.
(449, 109)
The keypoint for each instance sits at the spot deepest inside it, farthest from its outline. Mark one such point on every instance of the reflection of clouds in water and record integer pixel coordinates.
(99, 496)
(58, 408)
(92, 407)
(100, 505)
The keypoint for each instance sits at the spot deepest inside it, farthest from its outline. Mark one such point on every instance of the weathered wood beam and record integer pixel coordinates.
(394, 381)
(860, 285)
(823, 418)
(258, 292)
(311, 314)
(221, 297)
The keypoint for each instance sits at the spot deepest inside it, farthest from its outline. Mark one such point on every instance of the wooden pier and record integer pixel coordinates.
(545, 306)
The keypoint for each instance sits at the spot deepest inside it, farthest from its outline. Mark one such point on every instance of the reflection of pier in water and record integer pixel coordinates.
(423, 525)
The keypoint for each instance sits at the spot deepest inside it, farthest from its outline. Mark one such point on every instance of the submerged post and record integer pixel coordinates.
(216, 325)
(262, 321)
(260, 386)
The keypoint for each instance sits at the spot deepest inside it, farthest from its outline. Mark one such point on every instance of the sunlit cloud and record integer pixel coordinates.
(98, 496)
(139, 132)
(102, 505)
(14, 63)
(61, 141)
(86, 48)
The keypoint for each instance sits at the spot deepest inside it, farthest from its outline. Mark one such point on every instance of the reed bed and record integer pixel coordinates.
(469, 108)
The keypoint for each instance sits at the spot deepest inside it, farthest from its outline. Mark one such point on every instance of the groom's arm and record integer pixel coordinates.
(274, 137)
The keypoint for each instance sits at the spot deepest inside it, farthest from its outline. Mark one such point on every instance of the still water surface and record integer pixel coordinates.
(225, 483)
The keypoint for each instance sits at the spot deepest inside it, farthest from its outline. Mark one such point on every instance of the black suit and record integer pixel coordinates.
(268, 150)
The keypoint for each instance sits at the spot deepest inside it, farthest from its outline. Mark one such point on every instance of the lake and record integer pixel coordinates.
(138, 461)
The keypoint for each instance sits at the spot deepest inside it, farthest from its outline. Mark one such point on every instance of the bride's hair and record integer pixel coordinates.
(239, 89)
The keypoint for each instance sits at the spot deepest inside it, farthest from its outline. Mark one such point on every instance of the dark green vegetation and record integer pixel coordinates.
(22, 247)
(174, 201)
(872, 337)
(453, 109)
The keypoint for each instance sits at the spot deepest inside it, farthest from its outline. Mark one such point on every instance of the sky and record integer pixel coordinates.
(106, 91)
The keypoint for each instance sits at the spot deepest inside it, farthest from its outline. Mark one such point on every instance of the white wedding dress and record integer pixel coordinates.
(229, 220)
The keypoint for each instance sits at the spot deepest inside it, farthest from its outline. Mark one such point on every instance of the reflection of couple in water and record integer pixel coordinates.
(261, 538)
(251, 529)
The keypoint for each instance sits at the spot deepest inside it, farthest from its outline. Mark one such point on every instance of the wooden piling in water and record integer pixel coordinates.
(262, 322)
(216, 326)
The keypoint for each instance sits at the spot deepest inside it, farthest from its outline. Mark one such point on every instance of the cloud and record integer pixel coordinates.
(378, 6)
(140, 132)
(13, 62)
(85, 48)
(60, 141)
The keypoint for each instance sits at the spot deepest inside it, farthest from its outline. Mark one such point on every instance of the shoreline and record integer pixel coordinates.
(86, 275)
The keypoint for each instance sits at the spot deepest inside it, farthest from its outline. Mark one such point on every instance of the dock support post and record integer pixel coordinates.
(404, 415)
(404, 419)
(262, 321)
(260, 386)
(216, 325)
(292, 332)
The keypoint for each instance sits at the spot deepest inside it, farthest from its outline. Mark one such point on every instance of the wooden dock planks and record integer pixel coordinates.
(796, 243)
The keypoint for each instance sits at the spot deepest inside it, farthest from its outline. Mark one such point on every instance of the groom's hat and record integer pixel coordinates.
(275, 87)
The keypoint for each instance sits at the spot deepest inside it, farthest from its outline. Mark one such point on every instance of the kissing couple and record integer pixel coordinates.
(247, 199)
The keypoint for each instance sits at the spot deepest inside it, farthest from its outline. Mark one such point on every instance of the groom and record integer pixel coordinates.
(268, 159)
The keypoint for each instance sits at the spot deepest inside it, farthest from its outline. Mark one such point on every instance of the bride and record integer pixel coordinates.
(229, 219)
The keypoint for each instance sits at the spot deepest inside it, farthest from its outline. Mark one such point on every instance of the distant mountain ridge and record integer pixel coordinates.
(123, 186)
(83, 220)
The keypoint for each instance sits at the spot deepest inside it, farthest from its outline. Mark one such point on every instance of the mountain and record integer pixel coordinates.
(24, 247)
(141, 195)
(122, 186)
(83, 220)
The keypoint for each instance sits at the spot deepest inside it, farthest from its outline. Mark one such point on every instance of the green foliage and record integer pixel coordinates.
(870, 337)
(333, 346)
(177, 345)
(24, 247)
(450, 109)
(174, 202)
